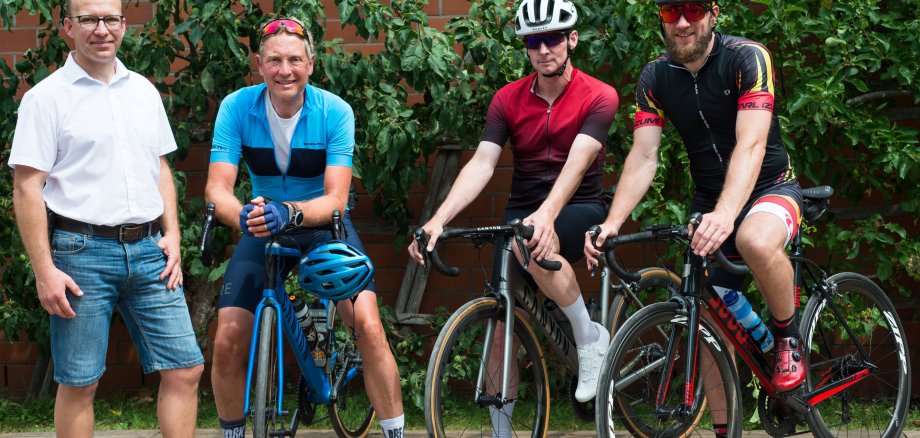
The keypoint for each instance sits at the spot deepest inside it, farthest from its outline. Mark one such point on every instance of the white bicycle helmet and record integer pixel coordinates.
(538, 16)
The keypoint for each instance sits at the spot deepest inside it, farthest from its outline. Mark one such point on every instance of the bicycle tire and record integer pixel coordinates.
(454, 367)
(266, 376)
(643, 334)
(622, 306)
(351, 413)
(830, 351)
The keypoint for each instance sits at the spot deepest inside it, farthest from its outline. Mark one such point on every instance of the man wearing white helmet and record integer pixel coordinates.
(556, 121)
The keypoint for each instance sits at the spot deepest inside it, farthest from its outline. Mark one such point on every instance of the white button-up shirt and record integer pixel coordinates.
(100, 144)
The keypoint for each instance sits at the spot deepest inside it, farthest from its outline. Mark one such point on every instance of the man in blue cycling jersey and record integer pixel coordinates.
(718, 91)
(556, 121)
(297, 142)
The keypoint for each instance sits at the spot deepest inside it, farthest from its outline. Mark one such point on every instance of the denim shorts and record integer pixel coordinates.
(123, 275)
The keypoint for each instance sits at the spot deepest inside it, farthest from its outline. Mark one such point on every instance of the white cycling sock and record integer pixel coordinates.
(501, 420)
(393, 428)
(583, 328)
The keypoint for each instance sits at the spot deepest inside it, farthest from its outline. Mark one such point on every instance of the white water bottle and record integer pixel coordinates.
(747, 317)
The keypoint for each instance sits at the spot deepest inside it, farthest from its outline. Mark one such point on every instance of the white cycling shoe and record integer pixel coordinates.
(590, 358)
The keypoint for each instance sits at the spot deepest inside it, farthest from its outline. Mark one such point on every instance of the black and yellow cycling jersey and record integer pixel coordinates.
(738, 75)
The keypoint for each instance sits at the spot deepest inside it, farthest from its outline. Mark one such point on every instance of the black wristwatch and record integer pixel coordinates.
(295, 216)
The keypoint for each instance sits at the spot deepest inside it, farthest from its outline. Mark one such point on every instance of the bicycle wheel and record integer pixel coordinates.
(452, 407)
(656, 284)
(264, 412)
(632, 374)
(350, 413)
(875, 405)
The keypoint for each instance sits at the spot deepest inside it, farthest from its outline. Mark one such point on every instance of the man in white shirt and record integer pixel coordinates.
(90, 144)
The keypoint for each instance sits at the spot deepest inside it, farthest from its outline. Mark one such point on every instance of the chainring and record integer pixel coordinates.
(776, 418)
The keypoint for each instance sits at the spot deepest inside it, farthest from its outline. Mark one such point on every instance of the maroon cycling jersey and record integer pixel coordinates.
(541, 134)
(737, 76)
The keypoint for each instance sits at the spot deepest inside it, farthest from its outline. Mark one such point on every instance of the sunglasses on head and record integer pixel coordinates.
(691, 11)
(552, 39)
(274, 26)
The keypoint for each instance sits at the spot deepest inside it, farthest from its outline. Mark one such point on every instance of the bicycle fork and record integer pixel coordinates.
(320, 389)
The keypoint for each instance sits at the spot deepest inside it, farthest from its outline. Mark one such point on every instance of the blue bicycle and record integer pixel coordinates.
(323, 347)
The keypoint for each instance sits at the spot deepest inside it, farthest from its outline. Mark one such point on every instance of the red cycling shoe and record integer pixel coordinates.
(789, 371)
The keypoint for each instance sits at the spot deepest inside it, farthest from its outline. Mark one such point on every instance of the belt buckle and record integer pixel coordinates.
(125, 229)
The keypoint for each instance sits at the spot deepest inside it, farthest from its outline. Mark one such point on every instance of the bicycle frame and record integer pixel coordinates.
(286, 326)
(513, 286)
(696, 290)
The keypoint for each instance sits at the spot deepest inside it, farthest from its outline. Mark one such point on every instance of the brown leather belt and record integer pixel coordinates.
(124, 233)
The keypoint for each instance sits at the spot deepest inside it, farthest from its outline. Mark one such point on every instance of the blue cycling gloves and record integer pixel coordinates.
(276, 217)
(244, 216)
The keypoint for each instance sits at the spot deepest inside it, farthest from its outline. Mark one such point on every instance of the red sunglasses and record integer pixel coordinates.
(274, 26)
(691, 11)
(552, 39)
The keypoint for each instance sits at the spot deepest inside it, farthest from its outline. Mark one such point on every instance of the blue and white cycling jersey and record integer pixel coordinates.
(324, 136)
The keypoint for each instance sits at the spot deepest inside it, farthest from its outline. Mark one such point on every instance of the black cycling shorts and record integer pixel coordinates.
(571, 224)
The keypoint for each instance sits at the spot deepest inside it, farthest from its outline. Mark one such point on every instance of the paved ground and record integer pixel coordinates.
(329, 434)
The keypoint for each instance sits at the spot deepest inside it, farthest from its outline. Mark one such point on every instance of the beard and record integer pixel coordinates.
(687, 54)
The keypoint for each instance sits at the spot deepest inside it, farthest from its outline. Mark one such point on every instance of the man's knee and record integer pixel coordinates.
(87, 392)
(754, 246)
(231, 344)
(187, 378)
(370, 333)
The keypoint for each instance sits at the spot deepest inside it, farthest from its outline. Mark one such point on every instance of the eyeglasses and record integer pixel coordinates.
(274, 26)
(691, 11)
(533, 42)
(90, 22)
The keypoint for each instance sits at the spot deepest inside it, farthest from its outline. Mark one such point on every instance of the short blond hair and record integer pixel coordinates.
(68, 7)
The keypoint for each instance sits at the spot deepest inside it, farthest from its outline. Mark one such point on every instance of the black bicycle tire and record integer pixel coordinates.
(266, 376)
(651, 315)
(364, 427)
(483, 308)
(851, 282)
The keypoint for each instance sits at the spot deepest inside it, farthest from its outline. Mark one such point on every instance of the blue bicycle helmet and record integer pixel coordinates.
(335, 271)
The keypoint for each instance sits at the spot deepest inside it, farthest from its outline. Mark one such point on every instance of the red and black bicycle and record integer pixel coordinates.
(858, 381)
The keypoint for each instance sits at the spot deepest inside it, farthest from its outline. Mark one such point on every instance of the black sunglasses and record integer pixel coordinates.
(552, 39)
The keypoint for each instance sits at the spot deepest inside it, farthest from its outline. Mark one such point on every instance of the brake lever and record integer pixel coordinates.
(519, 241)
(593, 232)
(421, 239)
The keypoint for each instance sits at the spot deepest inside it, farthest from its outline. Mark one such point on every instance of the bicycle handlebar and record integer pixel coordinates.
(514, 228)
(656, 232)
(210, 223)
